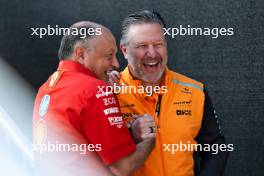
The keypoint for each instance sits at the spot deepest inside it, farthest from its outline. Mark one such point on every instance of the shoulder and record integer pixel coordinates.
(88, 82)
(94, 88)
(183, 80)
(80, 84)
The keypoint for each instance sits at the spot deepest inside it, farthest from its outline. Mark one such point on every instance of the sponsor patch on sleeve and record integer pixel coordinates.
(44, 105)
(118, 121)
(54, 80)
(111, 110)
(40, 132)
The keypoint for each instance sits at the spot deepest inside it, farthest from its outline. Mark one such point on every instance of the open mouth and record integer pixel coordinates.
(151, 64)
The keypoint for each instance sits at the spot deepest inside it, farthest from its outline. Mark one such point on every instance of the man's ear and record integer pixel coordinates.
(123, 48)
(78, 54)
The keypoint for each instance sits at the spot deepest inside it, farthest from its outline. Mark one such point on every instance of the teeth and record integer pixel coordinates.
(151, 64)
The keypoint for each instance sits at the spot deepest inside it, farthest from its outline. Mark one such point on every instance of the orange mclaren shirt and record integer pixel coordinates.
(178, 115)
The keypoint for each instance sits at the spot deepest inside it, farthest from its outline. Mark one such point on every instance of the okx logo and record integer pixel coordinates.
(180, 112)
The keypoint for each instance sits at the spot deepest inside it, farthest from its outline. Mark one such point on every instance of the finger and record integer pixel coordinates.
(144, 124)
(113, 79)
(152, 129)
(142, 115)
(110, 78)
(148, 135)
(116, 74)
(136, 116)
(147, 118)
(148, 127)
(150, 124)
(139, 116)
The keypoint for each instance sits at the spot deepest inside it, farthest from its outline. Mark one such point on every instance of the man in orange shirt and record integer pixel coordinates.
(77, 125)
(188, 127)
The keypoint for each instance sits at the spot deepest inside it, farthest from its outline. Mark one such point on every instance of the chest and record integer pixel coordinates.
(178, 112)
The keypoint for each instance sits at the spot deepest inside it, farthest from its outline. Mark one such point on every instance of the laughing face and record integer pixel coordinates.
(102, 58)
(146, 51)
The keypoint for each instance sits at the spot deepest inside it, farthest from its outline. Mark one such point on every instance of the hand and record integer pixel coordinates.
(143, 128)
(114, 77)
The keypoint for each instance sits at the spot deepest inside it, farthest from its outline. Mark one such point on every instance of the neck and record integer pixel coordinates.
(157, 83)
(145, 83)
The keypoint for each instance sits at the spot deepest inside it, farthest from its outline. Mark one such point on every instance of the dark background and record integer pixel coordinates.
(230, 66)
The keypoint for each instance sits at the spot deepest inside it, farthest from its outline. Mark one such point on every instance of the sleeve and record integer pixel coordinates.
(210, 133)
(103, 125)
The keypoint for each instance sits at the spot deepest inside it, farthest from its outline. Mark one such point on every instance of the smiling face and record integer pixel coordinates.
(100, 55)
(146, 51)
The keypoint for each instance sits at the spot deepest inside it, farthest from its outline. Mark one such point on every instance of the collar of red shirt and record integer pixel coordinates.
(70, 65)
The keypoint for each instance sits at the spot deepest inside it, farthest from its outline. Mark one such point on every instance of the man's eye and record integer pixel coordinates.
(109, 56)
(141, 46)
(159, 45)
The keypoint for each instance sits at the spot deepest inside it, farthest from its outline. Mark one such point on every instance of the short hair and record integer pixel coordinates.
(140, 17)
(70, 39)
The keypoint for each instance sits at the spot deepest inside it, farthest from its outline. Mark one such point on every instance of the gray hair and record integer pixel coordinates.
(71, 38)
(140, 17)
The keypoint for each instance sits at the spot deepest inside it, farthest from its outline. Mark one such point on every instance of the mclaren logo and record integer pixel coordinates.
(127, 106)
(183, 112)
(183, 102)
(186, 90)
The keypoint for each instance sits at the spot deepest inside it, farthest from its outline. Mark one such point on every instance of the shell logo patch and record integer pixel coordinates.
(43, 108)
(40, 132)
(54, 79)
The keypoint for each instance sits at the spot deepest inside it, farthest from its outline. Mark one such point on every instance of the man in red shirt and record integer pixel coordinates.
(77, 124)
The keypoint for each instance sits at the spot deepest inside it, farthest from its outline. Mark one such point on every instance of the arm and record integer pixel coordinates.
(102, 124)
(142, 136)
(140, 129)
(127, 165)
(210, 133)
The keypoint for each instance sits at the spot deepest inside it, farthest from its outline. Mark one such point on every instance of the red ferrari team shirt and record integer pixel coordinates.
(74, 107)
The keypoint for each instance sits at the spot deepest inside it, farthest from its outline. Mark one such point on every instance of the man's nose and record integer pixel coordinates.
(151, 52)
(115, 62)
